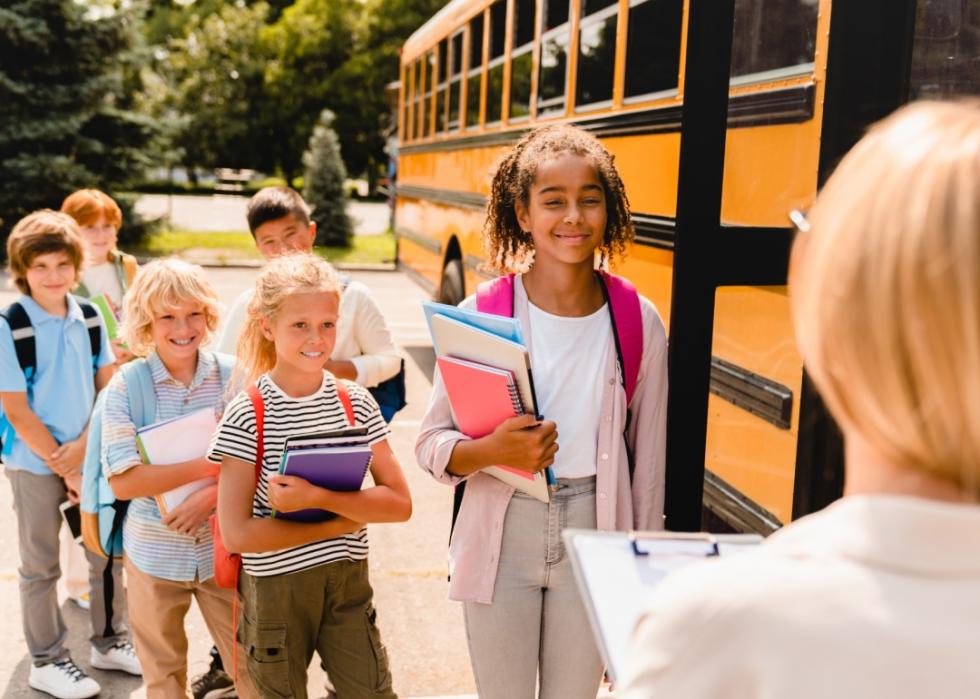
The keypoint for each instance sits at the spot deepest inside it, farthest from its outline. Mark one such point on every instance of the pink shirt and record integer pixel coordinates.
(475, 546)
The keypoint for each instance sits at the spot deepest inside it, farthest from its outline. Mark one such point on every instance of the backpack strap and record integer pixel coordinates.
(496, 296)
(627, 322)
(259, 405)
(345, 399)
(141, 392)
(126, 267)
(23, 334)
(94, 325)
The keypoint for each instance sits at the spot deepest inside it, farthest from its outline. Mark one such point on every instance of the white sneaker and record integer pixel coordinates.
(121, 656)
(64, 680)
(82, 601)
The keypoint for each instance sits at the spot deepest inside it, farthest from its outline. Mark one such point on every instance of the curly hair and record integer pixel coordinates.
(508, 247)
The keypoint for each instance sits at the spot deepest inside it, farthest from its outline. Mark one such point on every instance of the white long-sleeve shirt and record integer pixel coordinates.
(363, 337)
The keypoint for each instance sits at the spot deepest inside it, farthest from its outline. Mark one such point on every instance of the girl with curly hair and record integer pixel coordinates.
(557, 204)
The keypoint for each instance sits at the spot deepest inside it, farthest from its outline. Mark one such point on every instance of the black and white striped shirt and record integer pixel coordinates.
(284, 417)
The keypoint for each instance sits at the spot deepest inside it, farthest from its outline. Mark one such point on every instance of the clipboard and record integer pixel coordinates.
(618, 572)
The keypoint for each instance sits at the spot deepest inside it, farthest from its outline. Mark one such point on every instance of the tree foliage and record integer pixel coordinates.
(65, 121)
(324, 184)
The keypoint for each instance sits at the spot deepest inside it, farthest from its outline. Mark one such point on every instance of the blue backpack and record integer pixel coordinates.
(102, 513)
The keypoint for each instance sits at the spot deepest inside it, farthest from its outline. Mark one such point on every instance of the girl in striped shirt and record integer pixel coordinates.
(170, 311)
(304, 586)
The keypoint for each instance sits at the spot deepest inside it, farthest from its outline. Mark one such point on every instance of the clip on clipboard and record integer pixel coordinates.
(618, 572)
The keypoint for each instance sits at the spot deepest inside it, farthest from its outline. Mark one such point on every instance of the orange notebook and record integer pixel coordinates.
(482, 397)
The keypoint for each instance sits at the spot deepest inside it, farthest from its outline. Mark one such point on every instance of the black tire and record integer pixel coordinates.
(452, 290)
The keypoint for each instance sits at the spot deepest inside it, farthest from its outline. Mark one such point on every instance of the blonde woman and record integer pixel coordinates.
(879, 594)
(171, 310)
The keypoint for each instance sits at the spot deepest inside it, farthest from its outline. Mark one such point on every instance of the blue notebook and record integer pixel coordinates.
(501, 326)
(335, 467)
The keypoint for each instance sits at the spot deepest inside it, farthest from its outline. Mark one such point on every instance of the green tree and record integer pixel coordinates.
(324, 184)
(357, 89)
(64, 118)
(209, 84)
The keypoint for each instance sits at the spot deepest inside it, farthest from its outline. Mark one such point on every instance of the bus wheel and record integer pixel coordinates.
(452, 290)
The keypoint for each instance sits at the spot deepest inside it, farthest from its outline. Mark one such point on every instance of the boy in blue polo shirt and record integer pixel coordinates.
(45, 416)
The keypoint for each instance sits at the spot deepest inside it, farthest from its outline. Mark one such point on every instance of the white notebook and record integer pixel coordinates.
(174, 441)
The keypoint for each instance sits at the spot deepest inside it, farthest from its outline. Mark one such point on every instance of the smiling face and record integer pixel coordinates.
(50, 277)
(304, 331)
(99, 240)
(284, 235)
(178, 332)
(566, 210)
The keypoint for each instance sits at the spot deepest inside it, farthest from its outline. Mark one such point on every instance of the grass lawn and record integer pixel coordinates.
(229, 246)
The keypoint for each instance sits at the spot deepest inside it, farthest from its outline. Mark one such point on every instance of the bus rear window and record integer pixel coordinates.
(653, 46)
(773, 35)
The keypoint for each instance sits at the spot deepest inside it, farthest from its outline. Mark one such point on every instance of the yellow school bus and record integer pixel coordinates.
(800, 82)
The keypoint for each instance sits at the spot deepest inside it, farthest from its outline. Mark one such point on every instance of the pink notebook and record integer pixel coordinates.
(481, 396)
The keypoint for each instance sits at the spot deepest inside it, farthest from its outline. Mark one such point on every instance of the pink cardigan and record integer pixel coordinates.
(475, 546)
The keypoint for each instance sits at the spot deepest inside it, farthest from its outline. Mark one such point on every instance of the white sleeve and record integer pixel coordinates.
(228, 338)
(377, 359)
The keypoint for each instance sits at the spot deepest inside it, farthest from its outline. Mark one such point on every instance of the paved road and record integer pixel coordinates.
(226, 212)
(422, 629)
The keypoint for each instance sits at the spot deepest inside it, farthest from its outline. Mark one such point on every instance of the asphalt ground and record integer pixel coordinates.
(421, 628)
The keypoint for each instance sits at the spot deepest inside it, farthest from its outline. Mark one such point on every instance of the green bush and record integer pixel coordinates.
(324, 187)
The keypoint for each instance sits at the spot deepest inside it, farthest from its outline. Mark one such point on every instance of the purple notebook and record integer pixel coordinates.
(335, 468)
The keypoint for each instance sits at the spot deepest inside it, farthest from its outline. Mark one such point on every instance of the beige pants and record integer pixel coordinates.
(157, 610)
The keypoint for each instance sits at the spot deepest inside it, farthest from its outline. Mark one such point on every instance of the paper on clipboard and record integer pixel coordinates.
(617, 573)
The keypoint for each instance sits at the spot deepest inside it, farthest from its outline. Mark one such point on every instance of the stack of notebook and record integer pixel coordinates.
(335, 460)
(486, 369)
(175, 441)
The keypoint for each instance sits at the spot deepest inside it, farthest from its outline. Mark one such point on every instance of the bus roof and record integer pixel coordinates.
(452, 15)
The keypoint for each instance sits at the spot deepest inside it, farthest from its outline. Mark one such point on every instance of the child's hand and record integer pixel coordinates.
(291, 493)
(524, 443)
(189, 515)
(68, 458)
(74, 485)
(121, 352)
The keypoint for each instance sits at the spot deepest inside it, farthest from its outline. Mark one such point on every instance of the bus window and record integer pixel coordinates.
(773, 38)
(946, 49)
(455, 78)
(495, 64)
(653, 47)
(520, 67)
(553, 72)
(475, 68)
(442, 90)
(419, 87)
(406, 94)
(430, 75)
(596, 53)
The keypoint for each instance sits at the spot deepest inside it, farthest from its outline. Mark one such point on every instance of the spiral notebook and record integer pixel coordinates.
(481, 397)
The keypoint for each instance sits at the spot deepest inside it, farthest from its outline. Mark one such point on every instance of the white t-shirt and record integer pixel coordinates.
(103, 279)
(567, 360)
(286, 416)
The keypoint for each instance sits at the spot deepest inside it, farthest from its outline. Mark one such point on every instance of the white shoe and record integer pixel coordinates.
(121, 656)
(64, 680)
(82, 601)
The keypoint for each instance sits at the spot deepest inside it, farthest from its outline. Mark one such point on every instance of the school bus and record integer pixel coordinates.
(723, 117)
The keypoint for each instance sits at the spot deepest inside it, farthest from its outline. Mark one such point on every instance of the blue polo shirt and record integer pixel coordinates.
(64, 386)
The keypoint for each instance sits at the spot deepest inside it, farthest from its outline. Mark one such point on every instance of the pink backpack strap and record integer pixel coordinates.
(624, 302)
(496, 296)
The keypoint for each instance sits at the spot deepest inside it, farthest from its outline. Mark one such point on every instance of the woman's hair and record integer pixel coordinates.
(885, 290)
(508, 247)
(157, 287)
(298, 273)
(87, 205)
(40, 233)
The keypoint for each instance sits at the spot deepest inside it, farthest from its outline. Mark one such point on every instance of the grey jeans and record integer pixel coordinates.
(535, 633)
(36, 500)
